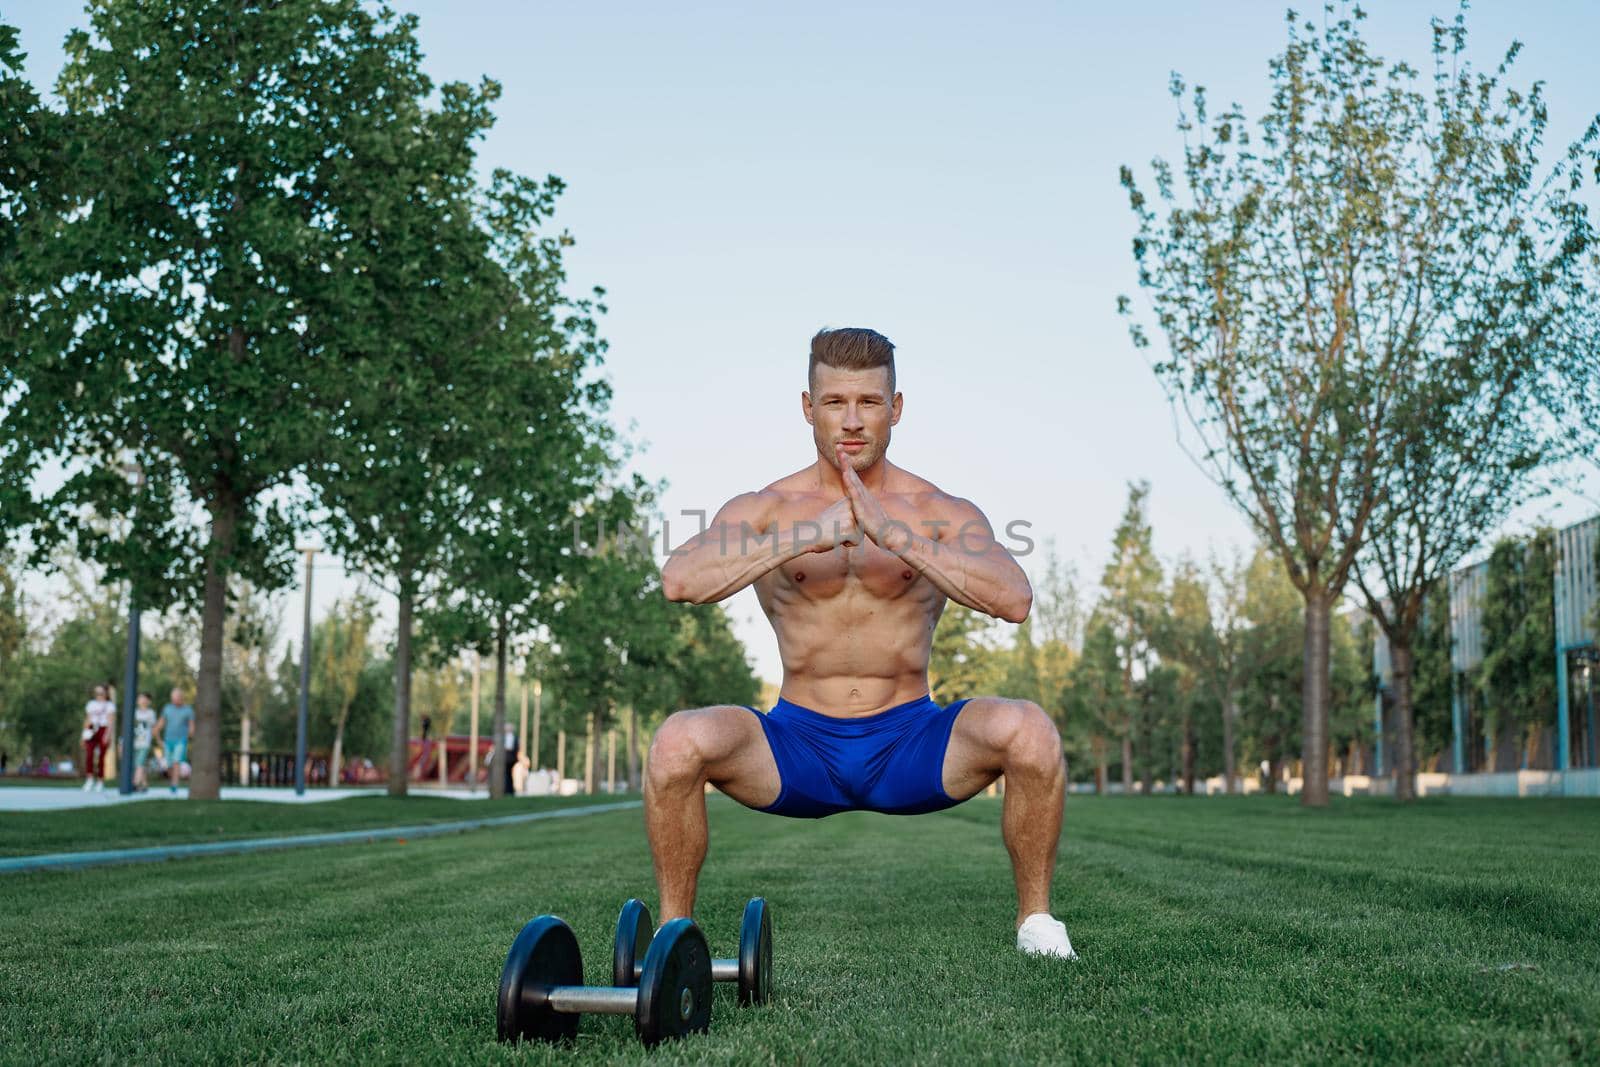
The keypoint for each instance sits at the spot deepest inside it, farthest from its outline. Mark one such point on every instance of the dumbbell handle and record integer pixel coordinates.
(604, 999)
(721, 971)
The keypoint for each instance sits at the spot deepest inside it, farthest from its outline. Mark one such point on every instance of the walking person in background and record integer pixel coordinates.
(98, 716)
(144, 730)
(511, 761)
(176, 726)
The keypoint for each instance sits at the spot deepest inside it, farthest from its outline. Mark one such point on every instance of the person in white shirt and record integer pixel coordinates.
(99, 715)
(144, 728)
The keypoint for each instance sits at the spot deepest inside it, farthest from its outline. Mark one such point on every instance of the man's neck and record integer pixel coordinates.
(829, 478)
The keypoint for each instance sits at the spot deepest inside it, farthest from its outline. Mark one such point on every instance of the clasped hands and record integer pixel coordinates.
(859, 516)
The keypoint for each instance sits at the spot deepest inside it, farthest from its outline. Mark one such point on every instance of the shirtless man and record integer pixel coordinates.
(852, 559)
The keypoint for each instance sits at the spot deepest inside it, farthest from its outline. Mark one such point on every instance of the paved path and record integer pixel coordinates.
(74, 860)
(55, 798)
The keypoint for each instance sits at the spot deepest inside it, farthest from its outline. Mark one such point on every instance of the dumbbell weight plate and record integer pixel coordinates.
(755, 954)
(634, 928)
(675, 988)
(545, 954)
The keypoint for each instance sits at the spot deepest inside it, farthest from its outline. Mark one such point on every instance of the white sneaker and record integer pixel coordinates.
(88, 784)
(1041, 935)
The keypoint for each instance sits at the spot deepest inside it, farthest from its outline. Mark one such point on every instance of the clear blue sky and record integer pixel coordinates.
(740, 175)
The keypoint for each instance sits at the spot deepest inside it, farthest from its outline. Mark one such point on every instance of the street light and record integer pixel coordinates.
(130, 671)
(308, 551)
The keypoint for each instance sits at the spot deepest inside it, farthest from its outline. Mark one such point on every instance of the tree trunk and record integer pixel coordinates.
(1127, 763)
(1102, 772)
(1189, 742)
(538, 711)
(497, 776)
(1147, 772)
(1405, 769)
(336, 761)
(633, 749)
(1230, 715)
(1270, 745)
(400, 736)
(589, 740)
(1314, 701)
(205, 759)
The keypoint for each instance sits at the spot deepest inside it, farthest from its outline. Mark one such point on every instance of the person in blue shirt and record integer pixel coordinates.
(176, 726)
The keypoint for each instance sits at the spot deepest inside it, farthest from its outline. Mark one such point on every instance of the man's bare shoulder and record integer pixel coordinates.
(932, 502)
(802, 483)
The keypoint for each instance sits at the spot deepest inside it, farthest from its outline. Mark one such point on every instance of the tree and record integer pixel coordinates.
(1271, 663)
(480, 430)
(609, 618)
(1519, 632)
(1057, 623)
(340, 662)
(202, 292)
(1097, 696)
(1189, 639)
(961, 662)
(1368, 231)
(1132, 605)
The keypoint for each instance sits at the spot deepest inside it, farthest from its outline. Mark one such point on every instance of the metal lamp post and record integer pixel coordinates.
(130, 671)
(305, 682)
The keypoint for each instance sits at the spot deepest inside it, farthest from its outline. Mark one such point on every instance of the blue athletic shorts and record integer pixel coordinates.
(891, 762)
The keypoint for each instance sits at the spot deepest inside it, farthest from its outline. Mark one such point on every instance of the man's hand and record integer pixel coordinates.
(838, 527)
(873, 519)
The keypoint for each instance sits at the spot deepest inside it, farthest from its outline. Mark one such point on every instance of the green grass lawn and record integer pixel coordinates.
(166, 822)
(1211, 930)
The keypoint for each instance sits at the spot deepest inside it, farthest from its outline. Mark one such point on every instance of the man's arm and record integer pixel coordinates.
(966, 564)
(743, 543)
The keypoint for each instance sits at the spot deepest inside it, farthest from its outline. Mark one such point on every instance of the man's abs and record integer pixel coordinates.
(854, 627)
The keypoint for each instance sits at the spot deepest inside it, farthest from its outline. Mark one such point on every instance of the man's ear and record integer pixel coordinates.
(805, 406)
(894, 409)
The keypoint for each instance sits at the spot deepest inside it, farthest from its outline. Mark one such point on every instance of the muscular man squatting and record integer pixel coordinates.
(852, 559)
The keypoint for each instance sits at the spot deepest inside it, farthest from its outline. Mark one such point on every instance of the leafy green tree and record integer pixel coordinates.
(1368, 228)
(458, 473)
(201, 294)
(1056, 624)
(1133, 606)
(1097, 696)
(340, 658)
(1519, 634)
(1189, 639)
(962, 661)
(1271, 662)
(1431, 694)
(611, 622)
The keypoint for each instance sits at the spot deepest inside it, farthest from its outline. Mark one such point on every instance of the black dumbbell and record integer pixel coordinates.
(752, 970)
(541, 993)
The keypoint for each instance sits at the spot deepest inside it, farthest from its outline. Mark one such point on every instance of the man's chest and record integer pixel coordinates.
(863, 567)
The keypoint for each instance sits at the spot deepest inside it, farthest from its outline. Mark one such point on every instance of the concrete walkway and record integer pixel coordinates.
(74, 860)
(56, 798)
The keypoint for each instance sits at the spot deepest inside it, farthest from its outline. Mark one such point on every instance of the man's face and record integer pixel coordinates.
(177, 697)
(853, 408)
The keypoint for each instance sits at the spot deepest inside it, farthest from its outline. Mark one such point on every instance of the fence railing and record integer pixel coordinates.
(271, 768)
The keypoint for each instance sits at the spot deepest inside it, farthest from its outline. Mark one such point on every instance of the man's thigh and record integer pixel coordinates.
(738, 759)
(978, 740)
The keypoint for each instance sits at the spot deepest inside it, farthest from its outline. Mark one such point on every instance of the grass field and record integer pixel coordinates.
(1210, 930)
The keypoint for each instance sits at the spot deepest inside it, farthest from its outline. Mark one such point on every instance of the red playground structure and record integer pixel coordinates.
(423, 764)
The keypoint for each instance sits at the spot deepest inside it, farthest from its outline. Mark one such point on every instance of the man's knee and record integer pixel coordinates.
(1032, 743)
(677, 756)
